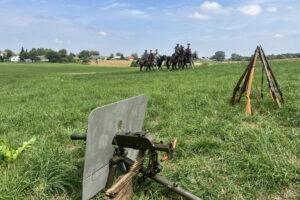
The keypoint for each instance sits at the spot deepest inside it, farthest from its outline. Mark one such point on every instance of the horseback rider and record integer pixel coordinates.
(181, 50)
(177, 50)
(156, 57)
(151, 55)
(188, 52)
(145, 55)
(156, 53)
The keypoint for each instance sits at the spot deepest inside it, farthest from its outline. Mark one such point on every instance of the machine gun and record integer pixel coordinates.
(145, 144)
(108, 152)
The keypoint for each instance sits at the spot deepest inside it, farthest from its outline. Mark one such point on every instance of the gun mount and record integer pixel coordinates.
(118, 144)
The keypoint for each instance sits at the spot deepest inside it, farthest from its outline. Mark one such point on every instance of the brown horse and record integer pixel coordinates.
(177, 62)
(150, 62)
(142, 63)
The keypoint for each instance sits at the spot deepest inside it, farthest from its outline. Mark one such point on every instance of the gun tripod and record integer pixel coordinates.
(146, 147)
(247, 79)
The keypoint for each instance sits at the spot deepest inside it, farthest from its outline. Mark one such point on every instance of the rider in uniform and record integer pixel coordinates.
(145, 55)
(151, 55)
(177, 50)
(188, 52)
(181, 49)
(156, 57)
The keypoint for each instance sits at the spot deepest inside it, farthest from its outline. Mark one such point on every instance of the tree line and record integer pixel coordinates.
(60, 56)
(220, 56)
(63, 56)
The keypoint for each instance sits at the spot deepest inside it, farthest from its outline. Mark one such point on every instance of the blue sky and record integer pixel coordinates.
(111, 26)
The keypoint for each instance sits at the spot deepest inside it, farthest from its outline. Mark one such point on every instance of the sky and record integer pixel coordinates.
(111, 26)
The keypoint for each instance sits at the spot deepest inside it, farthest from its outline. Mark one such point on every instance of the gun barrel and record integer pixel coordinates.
(76, 136)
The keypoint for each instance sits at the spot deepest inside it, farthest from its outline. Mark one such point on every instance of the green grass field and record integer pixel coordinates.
(222, 152)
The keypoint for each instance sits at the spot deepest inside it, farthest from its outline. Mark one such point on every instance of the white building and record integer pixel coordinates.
(15, 59)
(116, 58)
(43, 59)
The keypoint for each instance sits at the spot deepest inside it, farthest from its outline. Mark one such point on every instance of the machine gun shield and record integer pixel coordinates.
(103, 124)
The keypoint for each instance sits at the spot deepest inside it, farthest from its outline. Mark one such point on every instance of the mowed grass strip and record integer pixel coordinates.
(222, 153)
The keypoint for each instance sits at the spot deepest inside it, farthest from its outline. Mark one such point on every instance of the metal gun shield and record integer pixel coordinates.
(103, 124)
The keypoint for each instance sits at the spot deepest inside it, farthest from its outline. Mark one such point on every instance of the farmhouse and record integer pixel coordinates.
(43, 59)
(130, 58)
(28, 60)
(104, 57)
(117, 58)
(14, 59)
(95, 58)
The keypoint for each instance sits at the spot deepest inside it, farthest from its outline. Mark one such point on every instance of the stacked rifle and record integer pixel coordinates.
(246, 80)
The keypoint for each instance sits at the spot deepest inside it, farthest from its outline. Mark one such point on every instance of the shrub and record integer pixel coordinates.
(134, 64)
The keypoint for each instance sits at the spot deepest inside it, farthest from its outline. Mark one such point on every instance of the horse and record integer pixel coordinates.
(149, 62)
(142, 63)
(189, 59)
(158, 62)
(171, 62)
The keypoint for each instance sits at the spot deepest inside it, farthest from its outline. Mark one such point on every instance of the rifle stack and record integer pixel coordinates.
(246, 80)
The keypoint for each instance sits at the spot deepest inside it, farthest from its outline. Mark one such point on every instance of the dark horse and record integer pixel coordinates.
(171, 62)
(159, 61)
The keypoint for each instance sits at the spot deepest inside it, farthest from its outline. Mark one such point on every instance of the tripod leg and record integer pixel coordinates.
(111, 176)
(248, 102)
(237, 87)
(273, 76)
(174, 187)
(270, 83)
(262, 83)
(171, 185)
(243, 89)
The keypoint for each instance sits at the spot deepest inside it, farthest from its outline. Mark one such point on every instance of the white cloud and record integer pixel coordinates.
(278, 35)
(213, 7)
(135, 13)
(251, 10)
(272, 9)
(198, 15)
(102, 33)
(114, 5)
(151, 8)
(210, 5)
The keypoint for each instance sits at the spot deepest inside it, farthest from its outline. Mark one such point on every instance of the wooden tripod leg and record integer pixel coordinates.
(248, 102)
(262, 84)
(243, 89)
(268, 75)
(273, 76)
(237, 87)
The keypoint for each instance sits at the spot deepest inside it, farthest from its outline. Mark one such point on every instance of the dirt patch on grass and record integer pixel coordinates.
(112, 63)
(288, 194)
(78, 73)
(198, 63)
